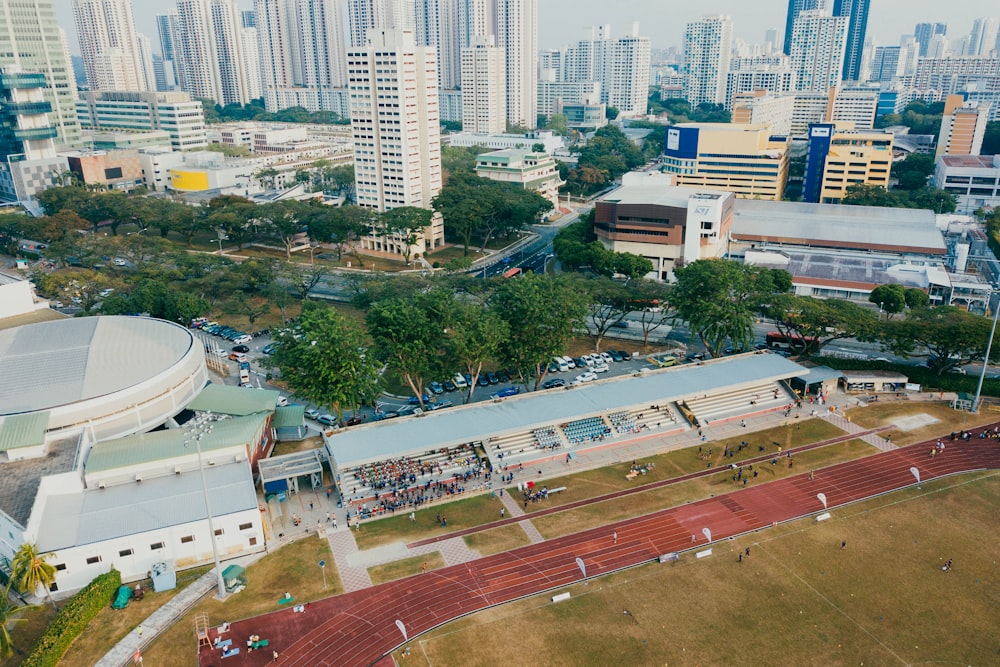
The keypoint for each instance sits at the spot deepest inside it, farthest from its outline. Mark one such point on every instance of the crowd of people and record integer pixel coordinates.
(413, 497)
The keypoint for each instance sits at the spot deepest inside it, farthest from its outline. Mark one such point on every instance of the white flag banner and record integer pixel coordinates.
(916, 473)
(583, 568)
(402, 628)
(707, 533)
(822, 499)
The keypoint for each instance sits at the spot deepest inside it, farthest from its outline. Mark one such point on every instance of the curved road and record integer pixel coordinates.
(360, 628)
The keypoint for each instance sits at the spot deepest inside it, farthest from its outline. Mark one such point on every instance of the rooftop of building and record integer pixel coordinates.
(229, 400)
(838, 226)
(658, 195)
(857, 271)
(971, 161)
(61, 362)
(22, 478)
(511, 156)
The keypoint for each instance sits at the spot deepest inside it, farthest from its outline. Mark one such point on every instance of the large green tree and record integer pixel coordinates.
(325, 360)
(719, 299)
(948, 336)
(475, 338)
(810, 324)
(891, 299)
(542, 314)
(406, 225)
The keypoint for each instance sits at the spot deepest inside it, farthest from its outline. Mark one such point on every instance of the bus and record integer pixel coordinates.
(510, 273)
(776, 340)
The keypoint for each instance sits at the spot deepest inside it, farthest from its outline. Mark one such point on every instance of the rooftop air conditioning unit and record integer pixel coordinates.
(101, 484)
(211, 462)
(177, 470)
(138, 478)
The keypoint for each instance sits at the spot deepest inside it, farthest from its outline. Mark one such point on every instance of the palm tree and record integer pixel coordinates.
(7, 609)
(30, 569)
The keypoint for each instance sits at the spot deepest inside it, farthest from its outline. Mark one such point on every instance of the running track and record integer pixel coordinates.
(358, 629)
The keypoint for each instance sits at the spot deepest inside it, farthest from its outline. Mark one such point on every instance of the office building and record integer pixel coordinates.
(396, 130)
(983, 38)
(210, 61)
(517, 35)
(743, 159)
(817, 50)
(856, 13)
(761, 108)
(173, 112)
(530, 170)
(856, 105)
(109, 45)
(923, 33)
(484, 90)
(886, 64)
(974, 180)
(963, 126)
(251, 52)
(772, 73)
(839, 156)
(796, 7)
(707, 47)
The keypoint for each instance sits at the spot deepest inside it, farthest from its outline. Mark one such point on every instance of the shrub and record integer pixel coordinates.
(71, 621)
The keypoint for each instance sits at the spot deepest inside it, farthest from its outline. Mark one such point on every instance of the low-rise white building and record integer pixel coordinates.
(549, 141)
(17, 296)
(174, 112)
(974, 180)
(537, 172)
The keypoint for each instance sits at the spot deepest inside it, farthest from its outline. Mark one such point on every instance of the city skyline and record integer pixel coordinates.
(888, 19)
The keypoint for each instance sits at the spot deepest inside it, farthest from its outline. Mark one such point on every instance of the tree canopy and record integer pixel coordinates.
(948, 336)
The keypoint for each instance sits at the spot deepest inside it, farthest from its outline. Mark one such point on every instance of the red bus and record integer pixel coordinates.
(510, 273)
(779, 341)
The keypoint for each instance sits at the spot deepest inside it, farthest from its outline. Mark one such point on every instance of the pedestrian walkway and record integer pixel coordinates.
(526, 525)
(353, 574)
(873, 439)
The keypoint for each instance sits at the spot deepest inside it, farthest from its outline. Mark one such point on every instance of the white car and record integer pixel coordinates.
(607, 358)
(281, 402)
(585, 377)
(600, 368)
(118, 261)
(312, 413)
(243, 340)
(589, 360)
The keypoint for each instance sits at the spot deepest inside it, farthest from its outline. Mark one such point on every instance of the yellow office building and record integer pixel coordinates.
(743, 159)
(839, 157)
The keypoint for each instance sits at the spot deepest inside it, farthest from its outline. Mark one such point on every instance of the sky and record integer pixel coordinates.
(662, 20)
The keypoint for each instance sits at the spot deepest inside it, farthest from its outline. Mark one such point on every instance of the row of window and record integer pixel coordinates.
(156, 546)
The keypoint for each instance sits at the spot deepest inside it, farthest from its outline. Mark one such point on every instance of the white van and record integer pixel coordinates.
(459, 381)
(569, 362)
(561, 364)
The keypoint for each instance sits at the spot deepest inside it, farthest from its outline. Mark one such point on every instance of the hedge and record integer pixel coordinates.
(925, 377)
(73, 619)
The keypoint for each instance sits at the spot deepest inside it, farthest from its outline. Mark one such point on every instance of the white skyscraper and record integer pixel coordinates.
(983, 38)
(707, 47)
(817, 50)
(517, 35)
(109, 45)
(251, 54)
(484, 90)
(396, 130)
(437, 26)
(209, 51)
(145, 54)
(365, 15)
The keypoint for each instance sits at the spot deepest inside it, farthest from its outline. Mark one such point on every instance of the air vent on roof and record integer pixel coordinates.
(177, 470)
(211, 462)
(138, 478)
(101, 484)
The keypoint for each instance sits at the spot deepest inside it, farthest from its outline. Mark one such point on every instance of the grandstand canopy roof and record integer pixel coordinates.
(27, 430)
(229, 400)
(289, 416)
(66, 361)
(455, 426)
(129, 509)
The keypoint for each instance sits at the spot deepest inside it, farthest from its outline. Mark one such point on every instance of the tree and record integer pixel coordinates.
(891, 299)
(822, 321)
(241, 303)
(948, 336)
(609, 304)
(913, 172)
(542, 314)
(409, 335)
(611, 112)
(649, 298)
(65, 198)
(406, 225)
(916, 298)
(282, 220)
(475, 338)
(991, 140)
(325, 360)
(339, 225)
(7, 610)
(30, 569)
(719, 298)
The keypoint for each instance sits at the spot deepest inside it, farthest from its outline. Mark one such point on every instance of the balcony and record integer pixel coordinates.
(27, 108)
(10, 81)
(35, 133)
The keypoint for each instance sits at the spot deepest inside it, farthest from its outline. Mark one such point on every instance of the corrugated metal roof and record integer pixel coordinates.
(130, 509)
(228, 400)
(169, 443)
(27, 430)
(65, 361)
(289, 416)
(459, 425)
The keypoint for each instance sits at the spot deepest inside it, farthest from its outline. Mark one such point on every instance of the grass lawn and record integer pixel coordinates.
(465, 513)
(590, 483)
(884, 414)
(494, 541)
(292, 568)
(25, 635)
(798, 600)
(598, 514)
(115, 624)
(406, 567)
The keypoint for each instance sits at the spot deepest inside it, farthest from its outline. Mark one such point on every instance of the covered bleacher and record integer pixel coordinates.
(395, 464)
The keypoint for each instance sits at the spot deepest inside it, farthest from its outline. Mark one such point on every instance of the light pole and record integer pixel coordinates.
(222, 237)
(199, 429)
(986, 358)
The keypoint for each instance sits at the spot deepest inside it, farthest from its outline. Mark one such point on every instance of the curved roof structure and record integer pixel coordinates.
(52, 364)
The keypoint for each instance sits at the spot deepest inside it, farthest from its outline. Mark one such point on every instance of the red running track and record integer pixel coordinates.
(358, 629)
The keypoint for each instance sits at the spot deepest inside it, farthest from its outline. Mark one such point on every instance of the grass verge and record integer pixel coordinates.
(886, 414)
(406, 567)
(494, 541)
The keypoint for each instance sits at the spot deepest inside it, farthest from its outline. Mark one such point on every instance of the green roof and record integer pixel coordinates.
(227, 400)
(289, 416)
(169, 443)
(26, 430)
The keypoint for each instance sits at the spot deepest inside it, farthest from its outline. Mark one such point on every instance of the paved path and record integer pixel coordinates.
(361, 628)
(516, 511)
(877, 441)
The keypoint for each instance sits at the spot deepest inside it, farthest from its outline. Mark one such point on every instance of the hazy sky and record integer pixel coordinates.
(562, 21)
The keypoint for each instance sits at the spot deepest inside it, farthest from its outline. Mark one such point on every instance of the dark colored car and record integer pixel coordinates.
(553, 383)
(503, 376)
(616, 355)
(354, 421)
(449, 386)
(697, 356)
(483, 381)
(620, 324)
(492, 378)
(241, 348)
(507, 391)
(414, 401)
(436, 387)
(269, 348)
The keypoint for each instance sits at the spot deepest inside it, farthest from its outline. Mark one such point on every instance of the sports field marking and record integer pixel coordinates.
(913, 422)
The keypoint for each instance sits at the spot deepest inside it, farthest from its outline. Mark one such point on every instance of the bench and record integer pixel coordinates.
(261, 644)
(223, 645)
(228, 653)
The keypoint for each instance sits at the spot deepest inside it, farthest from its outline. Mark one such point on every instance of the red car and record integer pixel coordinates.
(355, 420)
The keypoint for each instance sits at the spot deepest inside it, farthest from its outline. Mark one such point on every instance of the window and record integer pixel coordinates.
(60, 567)
(253, 541)
(187, 538)
(155, 545)
(113, 172)
(93, 559)
(246, 526)
(125, 552)
(218, 531)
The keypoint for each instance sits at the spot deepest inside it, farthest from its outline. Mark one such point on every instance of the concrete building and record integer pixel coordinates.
(537, 172)
(796, 7)
(115, 170)
(17, 296)
(209, 51)
(983, 38)
(950, 75)
(707, 47)
(744, 159)
(517, 35)
(666, 224)
(856, 13)
(963, 126)
(484, 88)
(172, 112)
(771, 73)
(396, 130)
(761, 108)
(886, 64)
(550, 142)
(109, 45)
(817, 50)
(438, 25)
(620, 67)
(554, 95)
(974, 180)
(856, 105)
(839, 156)
(923, 33)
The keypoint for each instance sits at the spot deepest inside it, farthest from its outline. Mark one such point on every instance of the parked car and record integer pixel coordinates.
(241, 348)
(600, 368)
(449, 386)
(436, 387)
(483, 381)
(237, 356)
(507, 391)
(696, 356)
(414, 401)
(281, 402)
(354, 420)
(459, 381)
(503, 376)
(243, 339)
(580, 363)
(118, 261)
(328, 420)
(492, 378)
(585, 377)
(312, 413)
(608, 359)
(270, 348)
(553, 383)
(621, 324)
(588, 360)
(440, 406)
(616, 355)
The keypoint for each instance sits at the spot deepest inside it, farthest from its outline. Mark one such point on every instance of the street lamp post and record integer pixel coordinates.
(201, 428)
(986, 358)
(222, 237)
